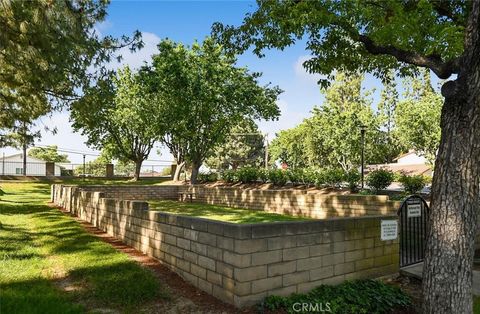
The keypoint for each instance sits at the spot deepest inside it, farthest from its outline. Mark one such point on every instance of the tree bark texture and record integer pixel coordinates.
(453, 218)
(195, 170)
(178, 171)
(138, 167)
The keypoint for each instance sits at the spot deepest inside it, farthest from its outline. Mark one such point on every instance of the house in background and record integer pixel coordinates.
(409, 163)
(13, 166)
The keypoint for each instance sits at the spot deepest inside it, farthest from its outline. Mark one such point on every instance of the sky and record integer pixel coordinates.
(187, 21)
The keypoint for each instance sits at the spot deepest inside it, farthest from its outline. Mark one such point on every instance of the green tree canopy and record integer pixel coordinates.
(49, 51)
(244, 146)
(335, 126)
(120, 117)
(331, 137)
(289, 146)
(389, 99)
(349, 36)
(418, 118)
(49, 153)
(205, 95)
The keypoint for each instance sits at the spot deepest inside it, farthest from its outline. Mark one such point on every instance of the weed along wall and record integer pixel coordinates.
(241, 263)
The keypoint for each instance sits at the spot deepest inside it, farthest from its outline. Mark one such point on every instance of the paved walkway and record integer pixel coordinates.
(416, 270)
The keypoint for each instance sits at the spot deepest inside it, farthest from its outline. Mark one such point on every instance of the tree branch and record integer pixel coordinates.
(443, 8)
(441, 68)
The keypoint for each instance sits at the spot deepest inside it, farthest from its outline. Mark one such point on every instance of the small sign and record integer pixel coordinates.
(389, 230)
(414, 210)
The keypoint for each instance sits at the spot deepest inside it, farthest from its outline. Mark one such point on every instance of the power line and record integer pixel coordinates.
(73, 151)
(68, 150)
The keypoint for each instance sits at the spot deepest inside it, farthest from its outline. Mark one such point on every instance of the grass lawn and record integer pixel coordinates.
(216, 212)
(49, 264)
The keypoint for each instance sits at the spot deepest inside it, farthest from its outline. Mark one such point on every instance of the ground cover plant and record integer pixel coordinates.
(355, 297)
(50, 264)
(217, 212)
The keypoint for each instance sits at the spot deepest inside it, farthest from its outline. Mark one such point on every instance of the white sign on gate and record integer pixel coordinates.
(389, 230)
(414, 210)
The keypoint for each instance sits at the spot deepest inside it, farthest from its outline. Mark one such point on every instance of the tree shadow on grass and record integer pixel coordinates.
(16, 243)
(36, 296)
(107, 278)
(124, 284)
(15, 208)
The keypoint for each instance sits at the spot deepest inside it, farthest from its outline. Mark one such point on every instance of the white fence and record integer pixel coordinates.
(16, 168)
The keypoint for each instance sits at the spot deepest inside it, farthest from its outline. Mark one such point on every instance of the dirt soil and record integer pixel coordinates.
(412, 287)
(185, 298)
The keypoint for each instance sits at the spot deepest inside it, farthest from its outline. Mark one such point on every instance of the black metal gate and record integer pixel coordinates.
(413, 230)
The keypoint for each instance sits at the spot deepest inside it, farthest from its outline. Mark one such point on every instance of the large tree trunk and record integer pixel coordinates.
(447, 285)
(195, 170)
(138, 167)
(178, 171)
(24, 157)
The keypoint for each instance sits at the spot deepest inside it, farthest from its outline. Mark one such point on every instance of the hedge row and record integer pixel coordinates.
(377, 180)
(279, 177)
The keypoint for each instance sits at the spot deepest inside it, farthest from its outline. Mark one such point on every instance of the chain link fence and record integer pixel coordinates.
(88, 169)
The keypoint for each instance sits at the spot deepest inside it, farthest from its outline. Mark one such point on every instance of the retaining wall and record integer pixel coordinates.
(291, 202)
(240, 263)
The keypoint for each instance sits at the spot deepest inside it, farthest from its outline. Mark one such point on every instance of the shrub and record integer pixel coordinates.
(397, 175)
(229, 176)
(308, 176)
(263, 175)
(247, 174)
(333, 177)
(207, 176)
(328, 177)
(277, 177)
(353, 177)
(412, 184)
(359, 296)
(295, 176)
(319, 177)
(380, 179)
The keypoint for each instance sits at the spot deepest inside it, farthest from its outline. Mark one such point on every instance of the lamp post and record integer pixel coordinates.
(266, 150)
(84, 174)
(363, 129)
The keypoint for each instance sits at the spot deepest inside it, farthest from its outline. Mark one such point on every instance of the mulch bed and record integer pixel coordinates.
(179, 289)
(412, 287)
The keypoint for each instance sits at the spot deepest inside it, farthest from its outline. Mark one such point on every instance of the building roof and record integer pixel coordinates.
(410, 152)
(417, 169)
(20, 154)
(30, 159)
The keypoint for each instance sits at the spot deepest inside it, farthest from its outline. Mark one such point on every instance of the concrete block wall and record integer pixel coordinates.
(296, 202)
(242, 263)
(291, 202)
(135, 192)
